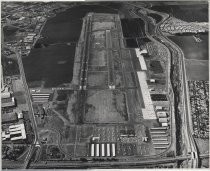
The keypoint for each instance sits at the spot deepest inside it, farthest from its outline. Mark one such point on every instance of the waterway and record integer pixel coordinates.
(52, 65)
(191, 13)
(196, 55)
(191, 48)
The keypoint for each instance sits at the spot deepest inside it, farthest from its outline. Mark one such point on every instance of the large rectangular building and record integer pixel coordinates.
(9, 118)
(148, 111)
(8, 102)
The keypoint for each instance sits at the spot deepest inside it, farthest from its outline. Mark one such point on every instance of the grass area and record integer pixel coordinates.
(203, 145)
(105, 107)
(98, 58)
(135, 104)
(197, 70)
(128, 65)
(97, 79)
(119, 79)
(130, 79)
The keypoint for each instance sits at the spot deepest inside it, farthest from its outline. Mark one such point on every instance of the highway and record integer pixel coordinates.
(185, 95)
(105, 164)
(31, 111)
(186, 103)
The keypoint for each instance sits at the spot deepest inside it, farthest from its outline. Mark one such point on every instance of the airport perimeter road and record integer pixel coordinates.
(31, 111)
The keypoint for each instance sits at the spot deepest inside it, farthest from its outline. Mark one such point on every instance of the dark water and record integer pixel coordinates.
(133, 27)
(188, 13)
(157, 17)
(54, 64)
(191, 48)
(9, 33)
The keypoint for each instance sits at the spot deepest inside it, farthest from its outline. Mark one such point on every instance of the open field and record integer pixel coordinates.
(105, 106)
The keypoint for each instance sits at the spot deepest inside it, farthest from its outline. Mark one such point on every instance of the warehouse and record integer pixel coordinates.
(141, 60)
(163, 120)
(162, 114)
(148, 111)
(9, 118)
(8, 102)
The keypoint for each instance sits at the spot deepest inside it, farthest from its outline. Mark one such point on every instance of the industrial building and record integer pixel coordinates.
(141, 59)
(163, 120)
(148, 111)
(5, 95)
(8, 102)
(9, 118)
(162, 114)
(103, 150)
(15, 132)
(40, 97)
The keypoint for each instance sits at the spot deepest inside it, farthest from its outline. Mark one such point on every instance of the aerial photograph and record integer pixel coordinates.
(104, 84)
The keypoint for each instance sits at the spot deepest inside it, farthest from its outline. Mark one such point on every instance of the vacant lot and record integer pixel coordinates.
(106, 106)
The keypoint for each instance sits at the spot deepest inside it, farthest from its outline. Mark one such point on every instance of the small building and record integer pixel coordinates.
(162, 114)
(92, 150)
(158, 128)
(160, 139)
(159, 107)
(164, 124)
(97, 150)
(20, 115)
(163, 120)
(102, 150)
(160, 143)
(144, 139)
(152, 80)
(160, 147)
(113, 150)
(5, 136)
(107, 150)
